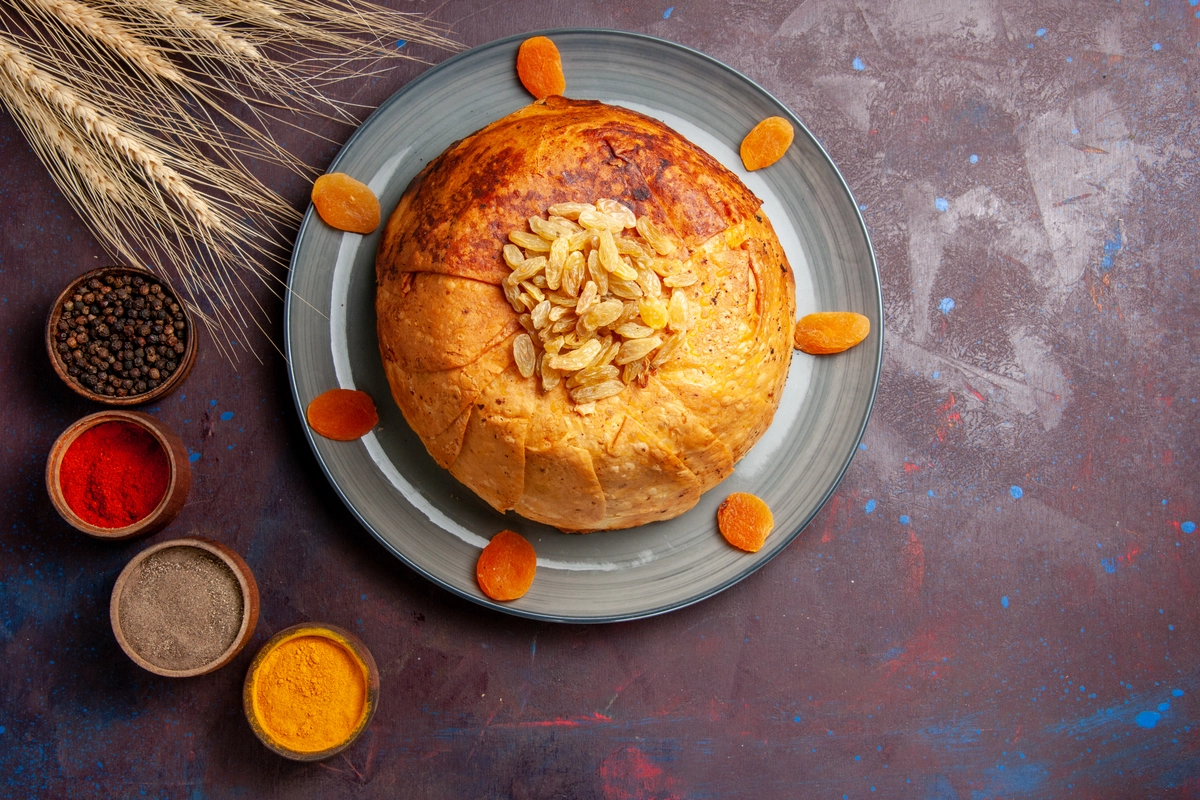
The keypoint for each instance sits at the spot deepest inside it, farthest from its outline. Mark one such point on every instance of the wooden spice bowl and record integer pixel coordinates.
(186, 360)
(178, 485)
(246, 584)
(337, 635)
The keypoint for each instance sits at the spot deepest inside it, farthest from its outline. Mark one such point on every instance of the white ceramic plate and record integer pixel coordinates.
(437, 526)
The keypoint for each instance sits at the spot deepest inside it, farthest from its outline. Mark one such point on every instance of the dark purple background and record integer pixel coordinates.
(999, 601)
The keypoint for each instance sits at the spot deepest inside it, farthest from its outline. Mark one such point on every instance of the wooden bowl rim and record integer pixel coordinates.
(328, 631)
(246, 582)
(187, 360)
(162, 434)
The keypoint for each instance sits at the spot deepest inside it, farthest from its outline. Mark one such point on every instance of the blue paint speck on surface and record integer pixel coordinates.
(1111, 248)
(1016, 492)
(1156, 47)
(904, 520)
(974, 159)
(193, 457)
(862, 445)
(1069, 59)
(212, 402)
(937, 375)
(941, 204)
(400, 43)
(796, 718)
(667, 13)
(1164, 706)
(858, 758)
(1148, 719)
(226, 416)
(1041, 32)
(1188, 527)
(946, 306)
(1174, 692)
(858, 64)
(1004, 601)
(1109, 564)
(869, 507)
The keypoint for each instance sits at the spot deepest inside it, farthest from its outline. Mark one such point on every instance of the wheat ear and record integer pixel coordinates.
(199, 27)
(95, 180)
(122, 100)
(109, 33)
(24, 73)
(165, 104)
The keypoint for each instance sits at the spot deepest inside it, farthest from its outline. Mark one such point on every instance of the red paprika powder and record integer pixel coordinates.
(114, 474)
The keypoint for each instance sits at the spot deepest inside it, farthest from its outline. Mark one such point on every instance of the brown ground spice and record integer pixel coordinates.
(181, 609)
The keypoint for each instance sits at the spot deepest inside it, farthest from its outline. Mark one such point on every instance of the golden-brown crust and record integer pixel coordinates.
(446, 331)
(557, 151)
(733, 373)
(415, 332)
(561, 483)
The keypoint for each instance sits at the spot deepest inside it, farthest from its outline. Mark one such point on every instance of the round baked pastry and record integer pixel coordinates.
(585, 318)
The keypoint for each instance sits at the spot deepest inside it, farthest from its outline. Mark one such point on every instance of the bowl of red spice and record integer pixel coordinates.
(120, 336)
(118, 474)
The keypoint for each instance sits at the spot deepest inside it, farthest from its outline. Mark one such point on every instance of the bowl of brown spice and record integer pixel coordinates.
(184, 607)
(120, 336)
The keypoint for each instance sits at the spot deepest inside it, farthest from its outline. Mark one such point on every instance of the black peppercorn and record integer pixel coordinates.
(121, 335)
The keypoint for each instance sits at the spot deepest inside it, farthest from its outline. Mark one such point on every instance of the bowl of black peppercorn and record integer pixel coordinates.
(120, 336)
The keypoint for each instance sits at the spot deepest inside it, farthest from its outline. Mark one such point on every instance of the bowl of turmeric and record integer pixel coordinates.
(311, 691)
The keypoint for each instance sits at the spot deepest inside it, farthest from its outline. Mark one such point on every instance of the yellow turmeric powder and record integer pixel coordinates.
(310, 694)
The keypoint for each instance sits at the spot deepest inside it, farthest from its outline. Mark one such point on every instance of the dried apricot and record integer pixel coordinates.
(830, 331)
(506, 566)
(745, 520)
(346, 204)
(540, 67)
(767, 142)
(342, 414)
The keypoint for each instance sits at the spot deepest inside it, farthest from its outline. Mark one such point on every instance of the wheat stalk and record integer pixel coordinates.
(109, 33)
(19, 69)
(193, 26)
(96, 67)
(133, 106)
